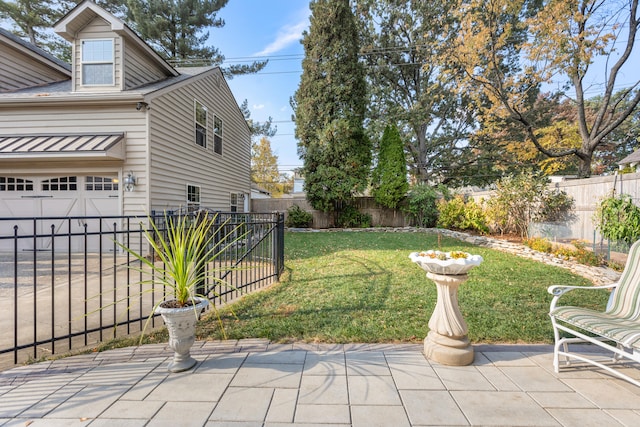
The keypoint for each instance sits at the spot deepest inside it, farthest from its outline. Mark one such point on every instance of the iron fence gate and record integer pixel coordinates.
(67, 283)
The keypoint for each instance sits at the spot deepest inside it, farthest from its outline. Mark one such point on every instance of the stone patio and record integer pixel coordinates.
(257, 383)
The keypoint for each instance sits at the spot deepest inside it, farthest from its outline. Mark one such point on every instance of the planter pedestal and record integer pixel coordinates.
(447, 341)
(181, 324)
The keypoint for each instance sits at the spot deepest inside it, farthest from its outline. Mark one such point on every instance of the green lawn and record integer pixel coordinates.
(361, 287)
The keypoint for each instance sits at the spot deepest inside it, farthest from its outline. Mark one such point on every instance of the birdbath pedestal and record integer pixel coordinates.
(447, 341)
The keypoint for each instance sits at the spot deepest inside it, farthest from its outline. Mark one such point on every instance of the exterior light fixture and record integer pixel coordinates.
(129, 182)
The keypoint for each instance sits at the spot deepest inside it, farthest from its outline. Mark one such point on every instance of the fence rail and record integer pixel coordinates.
(69, 285)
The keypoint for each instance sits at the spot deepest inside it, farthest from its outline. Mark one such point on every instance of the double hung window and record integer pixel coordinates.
(201, 124)
(97, 62)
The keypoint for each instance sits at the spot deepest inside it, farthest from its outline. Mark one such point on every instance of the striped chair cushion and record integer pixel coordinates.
(611, 326)
(626, 298)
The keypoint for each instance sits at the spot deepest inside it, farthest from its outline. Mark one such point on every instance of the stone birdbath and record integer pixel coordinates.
(447, 341)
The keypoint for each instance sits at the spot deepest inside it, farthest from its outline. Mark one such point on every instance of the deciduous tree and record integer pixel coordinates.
(264, 166)
(402, 48)
(505, 50)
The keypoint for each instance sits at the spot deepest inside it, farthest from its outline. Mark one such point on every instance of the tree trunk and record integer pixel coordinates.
(584, 167)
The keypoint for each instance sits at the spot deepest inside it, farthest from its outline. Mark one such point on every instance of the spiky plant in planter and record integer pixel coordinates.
(182, 250)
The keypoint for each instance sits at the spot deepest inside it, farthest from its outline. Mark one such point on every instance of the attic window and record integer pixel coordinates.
(97, 62)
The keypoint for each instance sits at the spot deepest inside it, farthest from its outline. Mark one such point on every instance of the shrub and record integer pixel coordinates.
(524, 198)
(579, 252)
(618, 218)
(296, 217)
(539, 244)
(461, 215)
(350, 217)
(554, 206)
(421, 205)
(451, 213)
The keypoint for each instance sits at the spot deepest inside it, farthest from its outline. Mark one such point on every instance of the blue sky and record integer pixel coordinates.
(273, 29)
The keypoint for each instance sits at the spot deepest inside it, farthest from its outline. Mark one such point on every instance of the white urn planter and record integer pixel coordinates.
(447, 341)
(181, 324)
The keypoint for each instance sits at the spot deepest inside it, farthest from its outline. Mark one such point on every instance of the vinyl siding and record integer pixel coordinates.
(18, 70)
(138, 69)
(60, 120)
(176, 161)
(97, 29)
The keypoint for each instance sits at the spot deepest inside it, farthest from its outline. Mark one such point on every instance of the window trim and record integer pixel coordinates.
(60, 183)
(98, 183)
(193, 205)
(13, 184)
(234, 207)
(218, 136)
(196, 123)
(112, 62)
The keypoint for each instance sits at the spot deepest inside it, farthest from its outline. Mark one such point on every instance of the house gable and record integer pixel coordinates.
(24, 65)
(107, 55)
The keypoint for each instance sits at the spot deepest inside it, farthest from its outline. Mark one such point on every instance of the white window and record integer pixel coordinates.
(193, 197)
(64, 183)
(100, 183)
(201, 124)
(217, 134)
(97, 62)
(234, 202)
(8, 183)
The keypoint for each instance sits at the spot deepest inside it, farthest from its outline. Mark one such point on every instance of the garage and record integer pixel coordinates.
(57, 197)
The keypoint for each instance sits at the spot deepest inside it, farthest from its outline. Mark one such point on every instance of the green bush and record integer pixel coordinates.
(298, 218)
(460, 215)
(522, 199)
(421, 205)
(350, 217)
(618, 218)
(554, 206)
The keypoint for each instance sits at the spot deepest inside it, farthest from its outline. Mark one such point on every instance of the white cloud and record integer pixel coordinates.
(287, 35)
(258, 106)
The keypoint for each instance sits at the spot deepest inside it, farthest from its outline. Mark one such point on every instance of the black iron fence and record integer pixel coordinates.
(67, 283)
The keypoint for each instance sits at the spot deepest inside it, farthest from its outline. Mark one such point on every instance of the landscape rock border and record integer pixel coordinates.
(597, 275)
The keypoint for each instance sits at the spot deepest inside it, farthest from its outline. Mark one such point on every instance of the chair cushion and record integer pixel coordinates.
(623, 331)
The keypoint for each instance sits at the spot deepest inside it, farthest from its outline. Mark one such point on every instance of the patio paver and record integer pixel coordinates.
(250, 383)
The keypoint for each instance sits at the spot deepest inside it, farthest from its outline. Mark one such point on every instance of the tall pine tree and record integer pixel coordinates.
(176, 30)
(32, 19)
(329, 108)
(389, 178)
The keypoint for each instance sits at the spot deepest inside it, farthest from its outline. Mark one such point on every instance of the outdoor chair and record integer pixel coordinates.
(617, 329)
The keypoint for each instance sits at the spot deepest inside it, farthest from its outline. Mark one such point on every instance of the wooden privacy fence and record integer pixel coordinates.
(380, 217)
(586, 193)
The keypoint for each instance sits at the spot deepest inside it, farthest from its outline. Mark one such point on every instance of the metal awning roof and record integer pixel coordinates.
(94, 146)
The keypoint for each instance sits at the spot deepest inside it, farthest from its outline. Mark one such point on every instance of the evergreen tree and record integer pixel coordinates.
(33, 18)
(329, 108)
(389, 179)
(258, 128)
(175, 29)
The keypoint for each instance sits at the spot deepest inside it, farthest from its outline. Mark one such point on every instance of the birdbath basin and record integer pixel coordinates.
(447, 342)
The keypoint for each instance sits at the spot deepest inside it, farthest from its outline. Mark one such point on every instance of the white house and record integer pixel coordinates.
(119, 131)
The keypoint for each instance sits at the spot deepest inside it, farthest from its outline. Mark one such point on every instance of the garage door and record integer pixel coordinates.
(23, 198)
